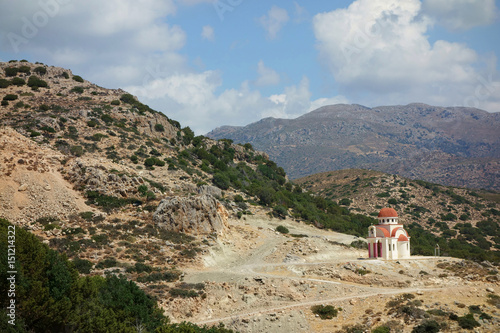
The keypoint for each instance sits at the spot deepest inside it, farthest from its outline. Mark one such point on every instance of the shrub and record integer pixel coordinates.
(427, 326)
(382, 329)
(43, 108)
(17, 81)
(115, 102)
(221, 180)
(325, 312)
(10, 97)
(282, 229)
(107, 118)
(106, 263)
(77, 151)
(153, 161)
(159, 128)
(128, 98)
(468, 322)
(35, 82)
(78, 78)
(24, 69)
(82, 265)
(77, 89)
(4, 83)
(11, 71)
(40, 70)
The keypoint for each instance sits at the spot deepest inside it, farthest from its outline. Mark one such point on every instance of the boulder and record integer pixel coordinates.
(210, 190)
(197, 215)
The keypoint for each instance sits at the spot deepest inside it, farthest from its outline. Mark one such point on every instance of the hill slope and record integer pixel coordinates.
(452, 146)
(433, 213)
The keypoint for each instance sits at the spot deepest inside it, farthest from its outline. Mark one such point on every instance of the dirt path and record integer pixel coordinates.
(307, 304)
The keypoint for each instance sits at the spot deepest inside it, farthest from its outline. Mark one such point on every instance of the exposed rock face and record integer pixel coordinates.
(196, 215)
(210, 190)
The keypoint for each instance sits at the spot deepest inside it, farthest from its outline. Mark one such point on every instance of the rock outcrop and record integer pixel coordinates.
(197, 215)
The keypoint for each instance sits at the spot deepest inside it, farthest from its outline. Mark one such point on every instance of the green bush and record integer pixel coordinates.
(83, 266)
(77, 89)
(468, 322)
(128, 98)
(282, 229)
(17, 81)
(35, 82)
(325, 312)
(159, 128)
(115, 102)
(10, 71)
(78, 78)
(40, 70)
(77, 151)
(4, 83)
(153, 161)
(427, 326)
(381, 329)
(24, 69)
(10, 97)
(280, 211)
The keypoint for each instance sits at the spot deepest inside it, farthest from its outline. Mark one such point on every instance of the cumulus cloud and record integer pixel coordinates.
(117, 35)
(379, 53)
(274, 21)
(207, 32)
(193, 100)
(267, 76)
(461, 14)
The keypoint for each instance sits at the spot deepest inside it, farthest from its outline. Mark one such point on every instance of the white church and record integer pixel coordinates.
(388, 239)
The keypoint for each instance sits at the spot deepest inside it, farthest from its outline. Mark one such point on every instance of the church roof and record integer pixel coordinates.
(402, 238)
(387, 212)
(384, 231)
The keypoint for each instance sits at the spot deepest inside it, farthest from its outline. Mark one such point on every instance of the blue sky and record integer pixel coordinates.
(208, 63)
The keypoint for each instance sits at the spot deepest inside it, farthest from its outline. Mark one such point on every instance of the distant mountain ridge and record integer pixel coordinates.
(456, 146)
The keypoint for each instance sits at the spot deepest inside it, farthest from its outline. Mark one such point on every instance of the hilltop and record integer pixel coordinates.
(455, 146)
(135, 207)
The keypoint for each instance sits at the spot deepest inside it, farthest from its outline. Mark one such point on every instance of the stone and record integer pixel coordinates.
(198, 215)
(22, 188)
(210, 190)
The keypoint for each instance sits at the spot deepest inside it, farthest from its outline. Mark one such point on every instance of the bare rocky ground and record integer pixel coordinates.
(258, 280)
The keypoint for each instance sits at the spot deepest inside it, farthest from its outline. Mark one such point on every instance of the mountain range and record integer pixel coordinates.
(456, 146)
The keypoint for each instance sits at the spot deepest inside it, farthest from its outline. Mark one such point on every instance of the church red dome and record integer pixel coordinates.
(387, 212)
(402, 238)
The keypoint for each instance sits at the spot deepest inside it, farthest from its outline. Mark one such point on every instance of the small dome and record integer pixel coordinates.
(402, 238)
(387, 212)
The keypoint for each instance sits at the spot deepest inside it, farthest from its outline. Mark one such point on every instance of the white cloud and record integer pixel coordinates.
(379, 53)
(461, 14)
(193, 100)
(267, 76)
(117, 37)
(207, 33)
(274, 21)
(301, 13)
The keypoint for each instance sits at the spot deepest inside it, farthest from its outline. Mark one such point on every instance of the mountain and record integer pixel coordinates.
(456, 146)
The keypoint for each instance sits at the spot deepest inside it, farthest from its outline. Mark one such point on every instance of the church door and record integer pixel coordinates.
(379, 249)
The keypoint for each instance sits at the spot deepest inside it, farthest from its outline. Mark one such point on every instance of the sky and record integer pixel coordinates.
(209, 63)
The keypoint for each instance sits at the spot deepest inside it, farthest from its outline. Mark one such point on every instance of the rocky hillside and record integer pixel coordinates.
(449, 216)
(452, 146)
